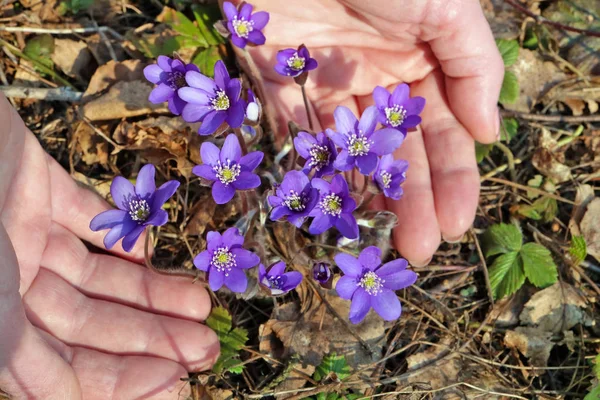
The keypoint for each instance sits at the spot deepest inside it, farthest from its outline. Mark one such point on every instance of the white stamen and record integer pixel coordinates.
(226, 172)
(386, 178)
(395, 115)
(331, 204)
(358, 145)
(223, 260)
(139, 210)
(242, 27)
(319, 156)
(372, 283)
(220, 102)
(295, 201)
(296, 62)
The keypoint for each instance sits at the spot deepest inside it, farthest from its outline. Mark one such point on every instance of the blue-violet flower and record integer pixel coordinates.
(294, 62)
(334, 208)
(319, 153)
(228, 169)
(277, 280)
(225, 259)
(390, 175)
(139, 206)
(169, 75)
(359, 141)
(369, 284)
(243, 25)
(295, 198)
(398, 110)
(213, 101)
(322, 274)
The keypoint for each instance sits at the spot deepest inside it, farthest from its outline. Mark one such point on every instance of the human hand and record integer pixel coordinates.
(76, 324)
(443, 49)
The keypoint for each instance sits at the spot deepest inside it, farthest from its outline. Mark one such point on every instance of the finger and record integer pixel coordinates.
(11, 145)
(111, 278)
(74, 207)
(474, 70)
(106, 376)
(451, 154)
(20, 344)
(61, 310)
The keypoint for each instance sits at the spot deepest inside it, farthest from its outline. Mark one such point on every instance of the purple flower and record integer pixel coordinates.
(278, 281)
(244, 26)
(390, 174)
(213, 101)
(139, 207)
(169, 75)
(322, 274)
(228, 169)
(369, 284)
(359, 141)
(224, 260)
(334, 208)
(319, 153)
(294, 62)
(398, 110)
(295, 198)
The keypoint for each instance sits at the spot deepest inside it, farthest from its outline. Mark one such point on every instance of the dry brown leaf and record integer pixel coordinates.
(98, 186)
(92, 148)
(534, 343)
(111, 73)
(98, 46)
(548, 161)
(590, 228)
(505, 312)
(72, 57)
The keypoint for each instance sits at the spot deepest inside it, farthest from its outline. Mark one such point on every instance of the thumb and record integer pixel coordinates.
(29, 367)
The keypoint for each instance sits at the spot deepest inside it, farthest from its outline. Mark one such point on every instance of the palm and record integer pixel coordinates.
(102, 318)
(360, 45)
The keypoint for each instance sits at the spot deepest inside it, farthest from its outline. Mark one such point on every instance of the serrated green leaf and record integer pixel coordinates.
(510, 128)
(506, 275)
(538, 265)
(509, 49)
(482, 150)
(578, 249)
(233, 365)
(332, 363)
(501, 238)
(206, 16)
(535, 182)
(594, 394)
(234, 341)
(40, 48)
(596, 367)
(219, 321)
(544, 208)
(206, 59)
(509, 93)
(190, 35)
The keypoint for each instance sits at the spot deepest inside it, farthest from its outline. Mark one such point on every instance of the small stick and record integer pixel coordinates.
(50, 94)
(310, 123)
(486, 274)
(551, 118)
(529, 188)
(61, 31)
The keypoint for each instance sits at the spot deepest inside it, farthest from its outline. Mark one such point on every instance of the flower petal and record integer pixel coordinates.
(197, 80)
(338, 138)
(108, 219)
(213, 240)
(283, 55)
(368, 121)
(277, 269)
(132, 237)
(347, 226)
(344, 161)
(360, 306)
(303, 142)
(234, 89)
(281, 69)
(400, 94)
(414, 105)
(293, 279)
(236, 281)
(311, 64)
(367, 163)
(297, 219)
(339, 185)
(153, 73)
(215, 279)
(257, 37)
(231, 150)
(202, 260)
(345, 121)
(161, 93)
(262, 273)
(122, 191)
(260, 19)
(158, 218)
(221, 75)
(386, 140)
(400, 279)
(238, 41)
(381, 97)
(349, 205)
(222, 193)
(245, 259)
(205, 171)
(209, 153)
(320, 224)
(294, 180)
(411, 121)
(246, 181)
(348, 264)
(346, 286)
(164, 62)
(230, 10)
(279, 212)
(232, 237)
(321, 185)
(250, 161)
(176, 104)
(193, 95)
(163, 193)
(117, 232)
(236, 114)
(370, 257)
(245, 11)
(195, 112)
(387, 305)
(211, 122)
(144, 184)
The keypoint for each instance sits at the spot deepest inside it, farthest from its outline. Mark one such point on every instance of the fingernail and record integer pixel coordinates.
(497, 123)
(422, 264)
(453, 239)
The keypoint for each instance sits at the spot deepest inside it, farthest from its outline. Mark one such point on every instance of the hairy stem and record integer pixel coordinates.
(310, 123)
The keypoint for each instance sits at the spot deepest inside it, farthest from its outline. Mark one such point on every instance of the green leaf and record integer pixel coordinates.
(544, 208)
(206, 59)
(234, 341)
(578, 251)
(233, 365)
(482, 150)
(332, 364)
(596, 367)
(535, 182)
(510, 128)
(206, 16)
(509, 49)
(594, 394)
(502, 238)
(219, 321)
(509, 93)
(531, 40)
(538, 265)
(40, 48)
(506, 275)
(190, 35)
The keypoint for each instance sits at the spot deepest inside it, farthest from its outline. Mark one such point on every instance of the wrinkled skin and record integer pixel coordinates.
(75, 324)
(444, 49)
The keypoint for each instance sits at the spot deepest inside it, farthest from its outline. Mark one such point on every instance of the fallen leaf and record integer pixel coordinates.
(99, 186)
(111, 73)
(72, 57)
(548, 161)
(92, 148)
(590, 228)
(533, 343)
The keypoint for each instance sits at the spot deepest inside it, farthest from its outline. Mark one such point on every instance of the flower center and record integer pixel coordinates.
(295, 201)
(386, 178)
(395, 115)
(331, 204)
(358, 145)
(139, 210)
(319, 156)
(227, 173)
(176, 80)
(223, 260)
(276, 282)
(371, 283)
(220, 102)
(242, 27)
(296, 62)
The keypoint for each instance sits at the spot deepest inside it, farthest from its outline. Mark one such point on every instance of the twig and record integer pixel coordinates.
(486, 273)
(529, 188)
(306, 106)
(49, 94)
(107, 43)
(551, 118)
(510, 159)
(62, 31)
(118, 147)
(541, 20)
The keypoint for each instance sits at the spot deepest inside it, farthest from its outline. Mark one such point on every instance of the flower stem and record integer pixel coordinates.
(310, 124)
(165, 271)
(367, 201)
(238, 133)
